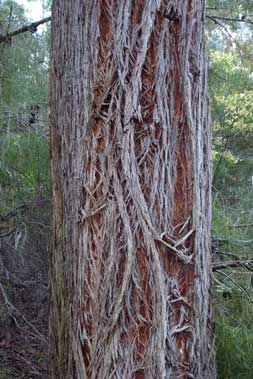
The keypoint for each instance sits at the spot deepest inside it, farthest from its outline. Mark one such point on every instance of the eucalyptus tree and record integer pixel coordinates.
(130, 265)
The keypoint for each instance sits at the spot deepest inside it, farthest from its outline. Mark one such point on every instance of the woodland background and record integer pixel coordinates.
(25, 188)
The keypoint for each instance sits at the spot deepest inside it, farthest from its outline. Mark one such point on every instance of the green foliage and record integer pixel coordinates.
(24, 60)
(233, 311)
(235, 339)
(230, 8)
(7, 374)
(233, 136)
(24, 161)
(233, 286)
(221, 220)
(231, 89)
(24, 167)
(232, 110)
(227, 74)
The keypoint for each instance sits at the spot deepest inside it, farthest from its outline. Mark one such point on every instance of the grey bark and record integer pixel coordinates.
(130, 266)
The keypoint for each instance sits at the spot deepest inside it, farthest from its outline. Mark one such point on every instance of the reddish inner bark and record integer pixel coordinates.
(183, 195)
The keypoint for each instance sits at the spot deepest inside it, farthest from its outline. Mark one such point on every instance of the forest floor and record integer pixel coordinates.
(24, 299)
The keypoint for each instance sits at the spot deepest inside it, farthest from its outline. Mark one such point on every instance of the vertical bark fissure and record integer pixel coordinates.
(130, 140)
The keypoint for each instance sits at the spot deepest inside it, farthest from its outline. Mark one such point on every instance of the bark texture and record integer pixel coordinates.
(130, 267)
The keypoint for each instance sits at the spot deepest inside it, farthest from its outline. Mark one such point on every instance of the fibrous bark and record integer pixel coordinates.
(130, 140)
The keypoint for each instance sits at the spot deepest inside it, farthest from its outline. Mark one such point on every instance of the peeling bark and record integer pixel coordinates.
(130, 266)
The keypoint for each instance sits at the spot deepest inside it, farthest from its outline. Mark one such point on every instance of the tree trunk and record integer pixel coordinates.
(130, 266)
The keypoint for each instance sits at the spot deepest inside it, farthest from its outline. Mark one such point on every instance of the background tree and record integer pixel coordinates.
(130, 143)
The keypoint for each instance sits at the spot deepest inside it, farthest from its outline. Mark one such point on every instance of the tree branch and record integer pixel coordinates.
(242, 290)
(232, 264)
(26, 28)
(9, 306)
(241, 226)
(213, 8)
(214, 18)
(220, 239)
